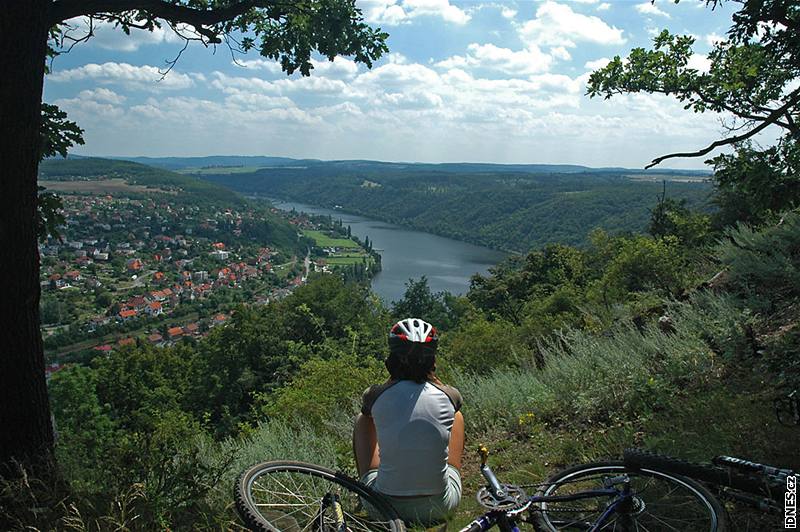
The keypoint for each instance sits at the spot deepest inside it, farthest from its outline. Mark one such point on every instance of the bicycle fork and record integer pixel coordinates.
(331, 500)
(624, 508)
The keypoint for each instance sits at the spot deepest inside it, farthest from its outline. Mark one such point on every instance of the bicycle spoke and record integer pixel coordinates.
(297, 499)
(660, 503)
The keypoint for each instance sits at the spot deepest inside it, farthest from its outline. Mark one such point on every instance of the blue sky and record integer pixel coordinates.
(465, 81)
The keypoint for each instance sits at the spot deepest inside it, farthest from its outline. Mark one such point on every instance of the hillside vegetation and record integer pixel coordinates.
(510, 207)
(558, 353)
(93, 168)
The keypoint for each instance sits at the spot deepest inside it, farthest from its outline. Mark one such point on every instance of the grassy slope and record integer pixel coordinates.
(325, 241)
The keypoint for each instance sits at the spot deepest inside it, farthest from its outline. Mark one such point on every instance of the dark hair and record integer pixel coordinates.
(416, 362)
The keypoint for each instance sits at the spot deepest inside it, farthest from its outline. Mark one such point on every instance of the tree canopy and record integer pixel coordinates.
(287, 31)
(752, 73)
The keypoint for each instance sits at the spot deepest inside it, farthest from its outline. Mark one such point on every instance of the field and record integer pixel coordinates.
(220, 170)
(100, 186)
(346, 259)
(324, 241)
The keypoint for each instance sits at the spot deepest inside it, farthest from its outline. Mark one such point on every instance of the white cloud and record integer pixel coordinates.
(559, 52)
(319, 86)
(524, 62)
(558, 25)
(340, 67)
(392, 12)
(597, 63)
(101, 94)
(382, 12)
(713, 38)
(398, 110)
(699, 62)
(605, 6)
(440, 8)
(647, 8)
(557, 82)
(141, 77)
(456, 61)
(397, 58)
(508, 13)
(260, 64)
(394, 76)
(85, 109)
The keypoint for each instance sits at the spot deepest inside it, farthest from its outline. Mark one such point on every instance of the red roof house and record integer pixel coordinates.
(127, 314)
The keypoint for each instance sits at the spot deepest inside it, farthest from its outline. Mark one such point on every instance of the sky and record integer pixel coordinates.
(500, 82)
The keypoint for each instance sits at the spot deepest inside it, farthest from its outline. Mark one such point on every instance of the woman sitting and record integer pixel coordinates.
(409, 438)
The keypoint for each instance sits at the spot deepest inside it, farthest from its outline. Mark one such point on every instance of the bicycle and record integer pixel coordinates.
(286, 496)
(292, 496)
(759, 486)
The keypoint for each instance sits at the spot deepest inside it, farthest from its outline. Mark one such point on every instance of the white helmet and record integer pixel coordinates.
(413, 330)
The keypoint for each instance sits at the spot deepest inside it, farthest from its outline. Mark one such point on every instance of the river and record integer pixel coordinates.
(407, 254)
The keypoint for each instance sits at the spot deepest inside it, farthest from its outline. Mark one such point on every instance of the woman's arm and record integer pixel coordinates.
(455, 448)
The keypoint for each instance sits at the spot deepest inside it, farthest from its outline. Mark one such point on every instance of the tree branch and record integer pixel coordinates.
(769, 120)
(62, 10)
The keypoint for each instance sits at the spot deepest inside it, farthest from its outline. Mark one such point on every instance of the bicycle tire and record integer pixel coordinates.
(287, 496)
(663, 501)
(720, 476)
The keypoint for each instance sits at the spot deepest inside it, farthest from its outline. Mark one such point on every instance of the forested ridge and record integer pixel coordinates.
(508, 210)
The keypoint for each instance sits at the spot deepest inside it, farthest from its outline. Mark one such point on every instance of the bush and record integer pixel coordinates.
(623, 375)
(764, 263)
(322, 387)
(480, 346)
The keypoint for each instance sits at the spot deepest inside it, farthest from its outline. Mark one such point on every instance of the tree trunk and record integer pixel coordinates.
(26, 432)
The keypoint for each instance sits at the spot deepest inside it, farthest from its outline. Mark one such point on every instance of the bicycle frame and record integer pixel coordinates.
(506, 520)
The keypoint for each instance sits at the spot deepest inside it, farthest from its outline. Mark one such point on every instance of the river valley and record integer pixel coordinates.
(407, 254)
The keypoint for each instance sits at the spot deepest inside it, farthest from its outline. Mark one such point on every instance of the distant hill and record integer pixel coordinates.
(181, 163)
(512, 207)
(506, 209)
(191, 164)
(92, 168)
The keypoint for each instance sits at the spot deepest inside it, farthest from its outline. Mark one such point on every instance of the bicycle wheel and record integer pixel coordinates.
(763, 485)
(295, 497)
(661, 502)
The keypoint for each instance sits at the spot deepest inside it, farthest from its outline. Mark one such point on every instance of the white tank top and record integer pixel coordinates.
(413, 422)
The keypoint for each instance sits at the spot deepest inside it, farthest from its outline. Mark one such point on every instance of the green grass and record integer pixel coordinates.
(325, 241)
(336, 260)
(220, 170)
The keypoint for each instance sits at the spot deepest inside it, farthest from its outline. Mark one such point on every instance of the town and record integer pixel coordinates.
(155, 268)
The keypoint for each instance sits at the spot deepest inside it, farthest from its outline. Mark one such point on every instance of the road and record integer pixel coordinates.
(306, 265)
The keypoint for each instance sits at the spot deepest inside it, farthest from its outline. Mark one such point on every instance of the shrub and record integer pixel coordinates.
(322, 387)
(764, 263)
